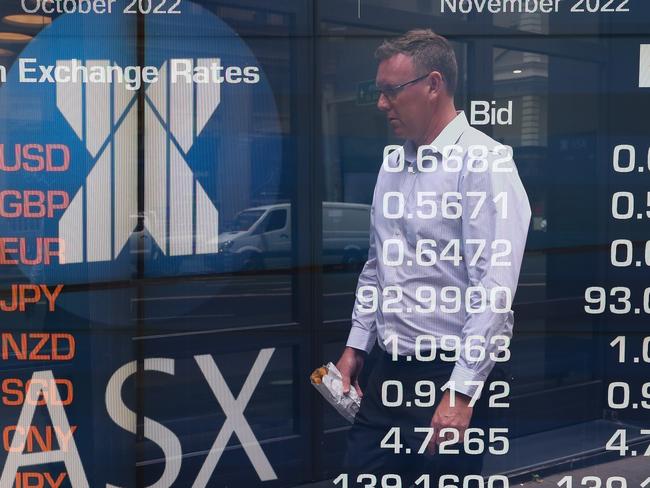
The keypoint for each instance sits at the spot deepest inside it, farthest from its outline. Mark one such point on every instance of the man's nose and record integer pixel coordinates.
(383, 103)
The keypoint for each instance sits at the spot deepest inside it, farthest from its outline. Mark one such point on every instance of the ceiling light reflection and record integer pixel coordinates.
(14, 37)
(24, 20)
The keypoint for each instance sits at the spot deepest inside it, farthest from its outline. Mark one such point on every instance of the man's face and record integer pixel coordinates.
(409, 112)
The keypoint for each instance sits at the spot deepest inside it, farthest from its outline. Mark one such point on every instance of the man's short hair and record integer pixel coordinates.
(429, 51)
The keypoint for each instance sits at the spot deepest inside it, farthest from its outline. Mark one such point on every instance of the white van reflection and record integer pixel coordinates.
(260, 237)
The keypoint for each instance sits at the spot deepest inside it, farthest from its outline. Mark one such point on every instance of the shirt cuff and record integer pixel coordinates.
(461, 376)
(360, 338)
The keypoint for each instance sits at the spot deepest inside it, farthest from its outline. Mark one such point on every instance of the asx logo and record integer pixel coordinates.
(43, 388)
(178, 213)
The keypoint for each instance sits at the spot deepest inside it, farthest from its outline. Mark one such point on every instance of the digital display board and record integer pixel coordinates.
(324, 243)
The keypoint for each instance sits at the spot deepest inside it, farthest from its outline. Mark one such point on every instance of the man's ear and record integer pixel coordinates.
(436, 83)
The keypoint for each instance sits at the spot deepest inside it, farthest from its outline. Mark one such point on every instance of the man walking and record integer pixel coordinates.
(449, 222)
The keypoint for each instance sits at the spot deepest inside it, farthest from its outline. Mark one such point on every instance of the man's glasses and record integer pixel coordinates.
(391, 92)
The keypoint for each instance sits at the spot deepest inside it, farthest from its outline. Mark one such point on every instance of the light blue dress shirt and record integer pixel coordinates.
(489, 224)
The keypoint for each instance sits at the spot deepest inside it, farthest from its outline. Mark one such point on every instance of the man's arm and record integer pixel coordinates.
(363, 333)
(500, 224)
(493, 245)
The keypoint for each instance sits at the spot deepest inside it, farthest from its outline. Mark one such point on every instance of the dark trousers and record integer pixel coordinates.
(374, 420)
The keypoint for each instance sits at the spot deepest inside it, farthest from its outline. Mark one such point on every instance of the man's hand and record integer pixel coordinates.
(350, 365)
(446, 416)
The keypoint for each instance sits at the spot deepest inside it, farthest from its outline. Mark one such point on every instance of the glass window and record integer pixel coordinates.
(555, 148)
(244, 220)
(190, 249)
(276, 220)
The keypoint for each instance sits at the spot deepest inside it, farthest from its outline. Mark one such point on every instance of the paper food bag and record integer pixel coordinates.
(327, 380)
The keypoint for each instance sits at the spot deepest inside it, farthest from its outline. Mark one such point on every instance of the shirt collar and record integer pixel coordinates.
(448, 137)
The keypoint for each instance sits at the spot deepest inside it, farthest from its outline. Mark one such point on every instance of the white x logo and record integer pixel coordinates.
(179, 215)
(235, 422)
